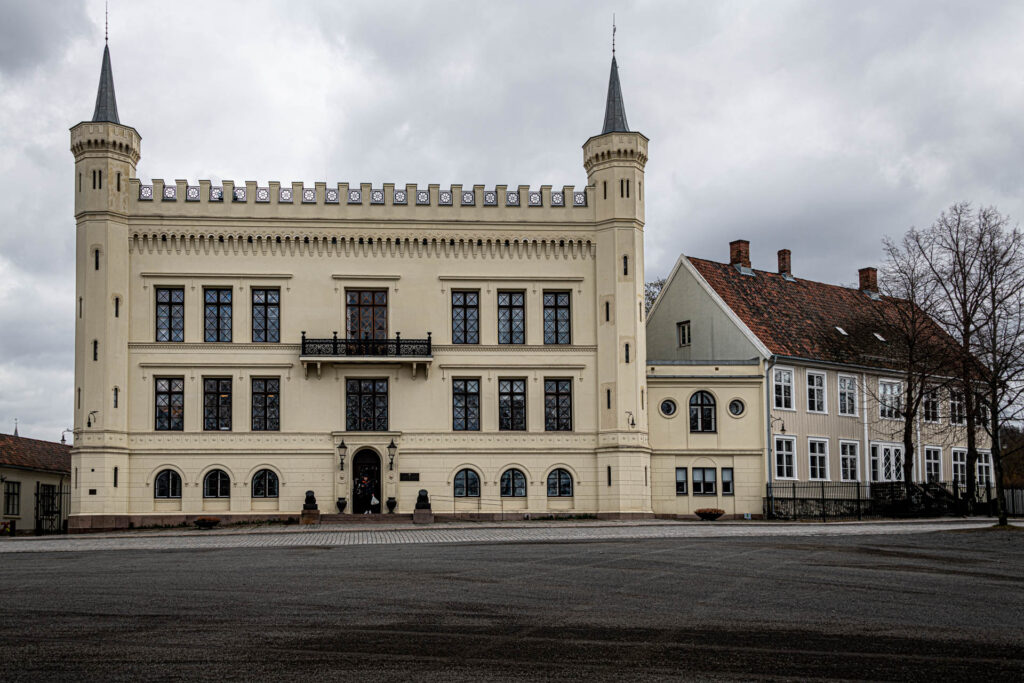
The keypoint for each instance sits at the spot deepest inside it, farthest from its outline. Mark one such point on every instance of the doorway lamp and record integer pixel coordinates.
(342, 452)
(781, 422)
(392, 448)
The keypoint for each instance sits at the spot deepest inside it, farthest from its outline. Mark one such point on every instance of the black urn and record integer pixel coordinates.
(342, 502)
(392, 503)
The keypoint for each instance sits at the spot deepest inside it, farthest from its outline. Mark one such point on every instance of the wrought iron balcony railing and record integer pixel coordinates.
(390, 348)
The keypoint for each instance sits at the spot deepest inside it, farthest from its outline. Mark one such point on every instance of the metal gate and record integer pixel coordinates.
(51, 508)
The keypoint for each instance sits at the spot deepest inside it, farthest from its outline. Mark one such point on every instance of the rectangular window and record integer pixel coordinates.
(932, 464)
(170, 314)
(217, 315)
(816, 392)
(984, 469)
(366, 407)
(886, 462)
(466, 405)
(930, 406)
(465, 317)
(957, 412)
(784, 458)
(557, 320)
(512, 404)
(266, 404)
(12, 498)
(367, 314)
(704, 481)
(960, 466)
(511, 317)
(557, 405)
(170, 403)
(266, 315)
(217, 404)
(849, 459)
(817, 450)
(683, 333)
(847, 395)
(783, 388)
(727, 487)
(681, 481)
(890, 400)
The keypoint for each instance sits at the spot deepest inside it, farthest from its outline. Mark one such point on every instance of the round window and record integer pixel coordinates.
(736, 407)
(668, 407)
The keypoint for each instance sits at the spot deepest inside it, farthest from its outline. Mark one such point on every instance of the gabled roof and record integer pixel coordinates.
(614, 108)
(106, 102)
(33, 454)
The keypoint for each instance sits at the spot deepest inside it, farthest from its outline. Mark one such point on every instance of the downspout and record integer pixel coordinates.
(866, 454)
(920, 472)
(769, 472)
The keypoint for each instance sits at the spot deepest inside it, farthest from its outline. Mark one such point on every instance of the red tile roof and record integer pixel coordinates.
(16, 451)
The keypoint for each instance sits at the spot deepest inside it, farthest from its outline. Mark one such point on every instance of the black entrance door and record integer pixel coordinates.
(365, 482)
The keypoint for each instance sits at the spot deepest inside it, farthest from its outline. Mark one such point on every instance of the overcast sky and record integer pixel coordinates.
(814, 126)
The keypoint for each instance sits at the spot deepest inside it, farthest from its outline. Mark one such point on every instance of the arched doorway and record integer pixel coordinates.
(366, 482)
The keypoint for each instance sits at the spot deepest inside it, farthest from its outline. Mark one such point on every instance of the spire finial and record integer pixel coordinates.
(106, 23)
(613, 34)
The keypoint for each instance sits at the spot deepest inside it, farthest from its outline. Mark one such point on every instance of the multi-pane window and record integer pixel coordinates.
(704, 481)
(366, 407)
(980, 405)
(467, 484)
(890, 400)
(930, 405)
(265, 484)
(960, 466)
(683, 333)
(465, 317)
(849, 457)
(512, 404)
(681, 481)
(783, 388)
(266, 315)
(784, 458)
(816, 392)
(217, 404)
(847, 395)
(957, 412)
(702, 412)
(984, 469)
(266, 404)
(170, 314)
(12, 498)
(558, 405)
(367, 314)
(932, 464)
(513, 484)
(466, 405)
(559, 484)
(817, 450)
(557, 325)
(727, 483)
(217, 315)
(217, 484)
(886, 462)
(170, 403)
(167, 485)
(511, 317)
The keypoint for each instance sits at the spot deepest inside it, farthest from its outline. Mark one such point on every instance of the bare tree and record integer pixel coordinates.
(651, 291)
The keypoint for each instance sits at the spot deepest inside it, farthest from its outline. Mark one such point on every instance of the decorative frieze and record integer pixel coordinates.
(192, 193)
(170, 193)
(262, 195)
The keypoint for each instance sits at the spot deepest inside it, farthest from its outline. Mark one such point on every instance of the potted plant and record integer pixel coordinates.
(206, 522)
(709, 514)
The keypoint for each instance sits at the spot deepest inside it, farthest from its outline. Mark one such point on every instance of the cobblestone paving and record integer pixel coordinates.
(328, 536)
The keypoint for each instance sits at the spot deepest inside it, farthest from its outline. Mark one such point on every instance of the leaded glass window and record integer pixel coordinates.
(465, 317)
(513, 484)
(465, 405)
(266, 315)
(557, 319)
(511, 317)
(266, 404)
(217, 404)
(557, 405)
(217, 484)
(467, 484)
(367, 314)
(217, 316)
(702, 412)
(170, 314)
(170, 403)
(559, 484)
(264, 484)
(512, 404)
(366, 405)
(167, 485)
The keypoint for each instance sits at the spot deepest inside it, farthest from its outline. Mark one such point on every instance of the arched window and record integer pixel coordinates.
(467, 484)
(559, 484)
(217, 484)
(264, 484)
(702, 412)
(513, 484)
(168, 485)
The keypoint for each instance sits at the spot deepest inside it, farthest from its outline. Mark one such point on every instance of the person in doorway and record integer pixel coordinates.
(364, 494)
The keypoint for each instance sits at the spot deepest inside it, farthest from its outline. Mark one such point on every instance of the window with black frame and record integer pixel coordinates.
(702, 412)
(512, 404)
(704, 481)
(167, 485)
(727, 483)
(217, 404)
(559, 484)
(366, 407)
(266, 404)
(12, 498)
(558, 405)
(557, 318)
(681, 481)
(467, 484)
(170, 314)
(466, 405)
(217, 484)
(170, 404)
(266, 315)
(265, 484)
(511, 317)
(217, 315)
(465, 317)
(513, 484)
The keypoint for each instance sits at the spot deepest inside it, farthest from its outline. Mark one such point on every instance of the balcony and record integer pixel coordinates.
(414, 352)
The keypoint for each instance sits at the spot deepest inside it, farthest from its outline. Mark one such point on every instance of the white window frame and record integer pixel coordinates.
(877, 456)
(792, 456)
(684, 336)
(792, 382)
(962, 412)
(959, 466)
(938, 407)
(856, 392)
(984, 465)
(810, 455)
(884, 405)
(854, 457)
(822, 391)
(932, 450)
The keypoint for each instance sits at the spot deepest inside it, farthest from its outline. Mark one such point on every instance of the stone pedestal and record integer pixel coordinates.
(422, 517)
(309, 517)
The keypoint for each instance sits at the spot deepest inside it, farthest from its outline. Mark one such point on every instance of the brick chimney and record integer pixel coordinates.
(868, 280)
(739, 253)
(785, 267)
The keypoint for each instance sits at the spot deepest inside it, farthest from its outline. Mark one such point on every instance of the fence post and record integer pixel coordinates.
(824, 516)
(860, 515)
(792, 501)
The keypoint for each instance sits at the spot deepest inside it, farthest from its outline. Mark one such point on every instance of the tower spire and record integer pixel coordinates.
(614, 109)
(106, 102)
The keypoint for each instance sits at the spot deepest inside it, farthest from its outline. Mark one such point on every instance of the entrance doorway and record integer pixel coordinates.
(366, 482)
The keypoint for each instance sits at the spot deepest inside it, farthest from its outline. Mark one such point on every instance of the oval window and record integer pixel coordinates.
(736, 407)
(668, 407)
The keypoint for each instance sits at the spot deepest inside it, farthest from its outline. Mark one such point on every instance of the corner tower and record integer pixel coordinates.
(614, 161)
(106, 153)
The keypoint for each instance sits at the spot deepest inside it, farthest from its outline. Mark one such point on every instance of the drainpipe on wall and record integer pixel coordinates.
(768, 419)
(917, 464)
(866, 455)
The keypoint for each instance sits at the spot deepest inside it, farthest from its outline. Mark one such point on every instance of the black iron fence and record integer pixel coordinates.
(53, 502)
(397, 347)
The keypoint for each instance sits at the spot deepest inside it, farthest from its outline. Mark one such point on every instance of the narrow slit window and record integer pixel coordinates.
(117, 307)
(94, 179)
(99, 176)
(627, 189)
(608, 398)
(115, 477)
(625, 265)
(95, 350)
(627, 352)
(79, 307)
(96, 259)
(609, 475)
(79, 182)
(115, 396)
(640, 190)
(118, 182)
(607, 311)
